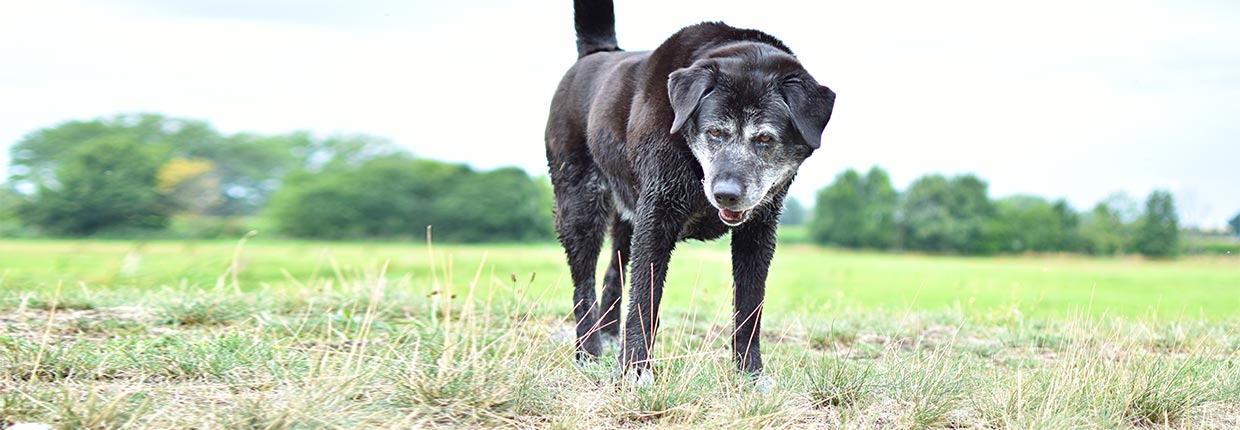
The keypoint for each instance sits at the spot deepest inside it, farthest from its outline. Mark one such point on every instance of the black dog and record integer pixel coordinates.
(700, 136)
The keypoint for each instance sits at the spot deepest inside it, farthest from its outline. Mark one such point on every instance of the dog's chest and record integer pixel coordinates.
(703, 225)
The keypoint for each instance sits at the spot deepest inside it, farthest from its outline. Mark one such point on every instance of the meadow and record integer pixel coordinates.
(272, 334)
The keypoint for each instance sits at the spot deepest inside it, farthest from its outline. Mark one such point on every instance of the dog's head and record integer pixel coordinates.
(751, 114)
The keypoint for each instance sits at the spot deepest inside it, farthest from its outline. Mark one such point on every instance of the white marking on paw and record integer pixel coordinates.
(639, 378)
(764, 384)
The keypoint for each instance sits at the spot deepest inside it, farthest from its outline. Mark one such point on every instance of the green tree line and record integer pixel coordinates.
(956, 215)
(147, 175)
(141, 175)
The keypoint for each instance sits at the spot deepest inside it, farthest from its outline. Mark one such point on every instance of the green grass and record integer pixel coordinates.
(803, 280)
(298, 335)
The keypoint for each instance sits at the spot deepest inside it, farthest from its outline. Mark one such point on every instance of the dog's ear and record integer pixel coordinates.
(685, 89)
(811, 106)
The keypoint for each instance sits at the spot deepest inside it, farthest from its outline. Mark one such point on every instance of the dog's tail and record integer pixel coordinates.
(596, 26)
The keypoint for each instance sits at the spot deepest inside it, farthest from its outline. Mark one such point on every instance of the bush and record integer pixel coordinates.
(1032, 224)
(398, 196)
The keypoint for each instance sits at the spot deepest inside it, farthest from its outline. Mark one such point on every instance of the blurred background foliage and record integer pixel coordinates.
(151, 176)
(147, 175)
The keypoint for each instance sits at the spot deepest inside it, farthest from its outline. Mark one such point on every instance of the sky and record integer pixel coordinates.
(1058, 98)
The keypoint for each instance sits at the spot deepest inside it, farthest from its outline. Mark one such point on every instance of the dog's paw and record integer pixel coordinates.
(764, 384)
(639, 378)
(633, 377)
(585, 360)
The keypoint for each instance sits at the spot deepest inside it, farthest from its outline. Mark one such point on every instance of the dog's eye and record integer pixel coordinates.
(714, 133)
(764, 138)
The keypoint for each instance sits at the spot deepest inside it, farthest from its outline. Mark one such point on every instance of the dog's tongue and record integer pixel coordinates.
(731, 216)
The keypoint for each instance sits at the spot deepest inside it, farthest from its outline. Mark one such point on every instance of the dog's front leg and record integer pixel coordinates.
(753, 245)
(655, 231)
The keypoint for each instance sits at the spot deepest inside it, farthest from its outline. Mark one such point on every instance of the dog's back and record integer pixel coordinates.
(587, 127)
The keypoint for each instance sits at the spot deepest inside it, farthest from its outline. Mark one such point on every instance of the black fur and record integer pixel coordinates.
(596, 26)
(630, 151)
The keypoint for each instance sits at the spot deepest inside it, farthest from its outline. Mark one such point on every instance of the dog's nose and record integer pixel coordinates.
(727, 191)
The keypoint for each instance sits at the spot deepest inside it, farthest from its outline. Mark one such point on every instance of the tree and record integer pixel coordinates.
(191, 185)
(369, 187)
(1158, 230)
(1234, 223)
(10, 200)
(1020, 225)
(944, 215)
(1127, 208)
(1067, 226)
(1108, 228)
(839, 212)
(1104, 231)
(104, 183)
(793, 213)
(879, 229)
(35, 159)
(245, 168)
(856, 212)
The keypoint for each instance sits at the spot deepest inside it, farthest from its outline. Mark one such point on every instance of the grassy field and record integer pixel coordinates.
(805, 280)
(291, 335)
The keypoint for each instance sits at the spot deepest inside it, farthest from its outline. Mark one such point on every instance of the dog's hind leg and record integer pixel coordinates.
(613, 282)
(582, 204)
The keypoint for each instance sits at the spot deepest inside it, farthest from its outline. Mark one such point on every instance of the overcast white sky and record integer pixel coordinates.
(1058, 98)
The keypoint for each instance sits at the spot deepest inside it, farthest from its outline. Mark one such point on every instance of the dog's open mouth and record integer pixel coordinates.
(732, 218)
